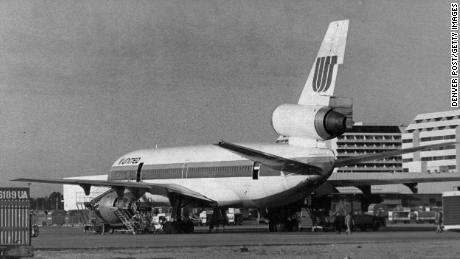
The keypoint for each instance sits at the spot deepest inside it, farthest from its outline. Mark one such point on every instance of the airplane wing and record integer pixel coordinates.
(359, 159)
(272, 161)
(153, 188)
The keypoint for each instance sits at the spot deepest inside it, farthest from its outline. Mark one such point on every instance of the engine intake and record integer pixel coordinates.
(110, 202)
(318, 122)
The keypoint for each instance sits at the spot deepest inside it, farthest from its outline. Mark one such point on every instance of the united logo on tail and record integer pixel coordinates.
(320, 84)
(323, 73)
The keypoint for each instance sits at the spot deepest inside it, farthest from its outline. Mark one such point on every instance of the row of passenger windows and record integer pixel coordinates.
(196, 172)
(202, 172)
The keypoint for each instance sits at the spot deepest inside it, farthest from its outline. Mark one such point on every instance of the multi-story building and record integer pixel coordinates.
(364, 140)
(433, 128)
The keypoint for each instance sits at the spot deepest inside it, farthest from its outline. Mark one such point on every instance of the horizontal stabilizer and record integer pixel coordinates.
(272, 161)
(359, 159)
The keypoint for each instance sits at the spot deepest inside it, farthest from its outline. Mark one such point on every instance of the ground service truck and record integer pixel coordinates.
(15, 227)
(451, 210)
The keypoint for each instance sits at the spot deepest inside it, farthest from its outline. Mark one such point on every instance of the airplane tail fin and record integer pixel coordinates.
(321, 81)
(318, 94)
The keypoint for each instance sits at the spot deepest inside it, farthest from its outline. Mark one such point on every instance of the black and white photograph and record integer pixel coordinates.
(229, 129)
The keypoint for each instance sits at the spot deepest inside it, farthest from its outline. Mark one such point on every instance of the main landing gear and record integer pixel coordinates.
(179, 223)
(285, 218)
(178, 227)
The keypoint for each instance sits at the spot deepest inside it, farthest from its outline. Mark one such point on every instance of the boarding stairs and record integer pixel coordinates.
(83, 213)
(126, 219)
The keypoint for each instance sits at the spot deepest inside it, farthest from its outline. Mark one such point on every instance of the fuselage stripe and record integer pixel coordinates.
(208, 169)
(193, 172)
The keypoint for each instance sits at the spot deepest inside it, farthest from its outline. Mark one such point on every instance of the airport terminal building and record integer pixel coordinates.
(433, 128)
(425, 129)
(365, 140)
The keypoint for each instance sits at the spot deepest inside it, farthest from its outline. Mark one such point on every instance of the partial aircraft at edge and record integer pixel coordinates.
(274, 177)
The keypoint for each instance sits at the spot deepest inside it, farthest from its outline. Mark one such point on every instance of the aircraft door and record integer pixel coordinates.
(255, 170)
(139, 172)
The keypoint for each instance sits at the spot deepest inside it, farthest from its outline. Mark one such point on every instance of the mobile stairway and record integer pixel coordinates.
(127, 220)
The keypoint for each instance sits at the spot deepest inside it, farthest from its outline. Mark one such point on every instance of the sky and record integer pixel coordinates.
(83, 82)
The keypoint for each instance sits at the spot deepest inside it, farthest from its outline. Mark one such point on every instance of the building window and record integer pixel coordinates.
(437, 138)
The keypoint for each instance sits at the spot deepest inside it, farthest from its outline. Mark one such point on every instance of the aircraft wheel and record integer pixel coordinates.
(375, 227)
(271, 227)
(187, 227)
(170, 228)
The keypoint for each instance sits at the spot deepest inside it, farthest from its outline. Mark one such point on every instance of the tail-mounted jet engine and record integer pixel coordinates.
(106, 205)
(317, 122)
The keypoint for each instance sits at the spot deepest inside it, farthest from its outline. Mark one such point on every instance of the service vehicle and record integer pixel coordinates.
(425, 216)
(400, 216)
(15, 219)
(364, 222)
(451, 210)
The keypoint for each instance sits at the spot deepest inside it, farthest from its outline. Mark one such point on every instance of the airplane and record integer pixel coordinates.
(273, 177)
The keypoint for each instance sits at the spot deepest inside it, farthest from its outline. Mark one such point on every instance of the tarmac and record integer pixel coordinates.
(403, 241)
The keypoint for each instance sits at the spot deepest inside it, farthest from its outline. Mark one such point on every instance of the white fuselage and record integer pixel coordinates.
(224, 176)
